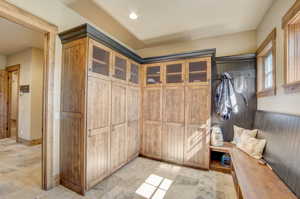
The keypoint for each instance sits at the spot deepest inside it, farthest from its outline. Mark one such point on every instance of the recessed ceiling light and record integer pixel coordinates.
(133, 16)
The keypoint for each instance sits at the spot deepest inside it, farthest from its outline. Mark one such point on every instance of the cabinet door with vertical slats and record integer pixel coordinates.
(197, 137)
(119, 125)
(173, 124)
(133, 107)
(152, 122)
(98, 125)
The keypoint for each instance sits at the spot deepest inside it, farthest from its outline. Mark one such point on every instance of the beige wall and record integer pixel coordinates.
(30, 104)
(284, 103)
(36, 93)
(24, 59)
(232, 44)
(2, 61)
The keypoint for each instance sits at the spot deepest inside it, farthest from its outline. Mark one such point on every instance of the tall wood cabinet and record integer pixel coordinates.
(113, 108)
(100, 112)
(176, 111)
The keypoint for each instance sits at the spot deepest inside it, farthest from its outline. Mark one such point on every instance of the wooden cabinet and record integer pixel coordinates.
(119, 126)
(152, 122)
(197, 136)
(173, 124)
(99, 113)
(176, 111)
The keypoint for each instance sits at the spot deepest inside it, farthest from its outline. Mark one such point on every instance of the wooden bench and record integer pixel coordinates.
(252, 179)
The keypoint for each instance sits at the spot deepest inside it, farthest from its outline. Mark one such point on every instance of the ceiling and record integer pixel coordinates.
(15, 38)
(163, 20)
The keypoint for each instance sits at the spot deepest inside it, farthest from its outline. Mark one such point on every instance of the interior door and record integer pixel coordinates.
(197, 136)
(98, 125)
(173, 124)
(152, 124)
(119, 126)
(133, 135)
(3, 104)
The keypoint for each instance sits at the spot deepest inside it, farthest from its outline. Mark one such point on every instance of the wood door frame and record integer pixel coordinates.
(11, 69)
(50, 31)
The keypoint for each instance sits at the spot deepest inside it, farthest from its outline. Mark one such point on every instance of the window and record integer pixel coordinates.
(266, 67)
(291, 25)
(268, 71)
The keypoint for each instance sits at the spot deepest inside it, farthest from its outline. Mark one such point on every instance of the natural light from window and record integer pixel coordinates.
(268, 66)
(154, 187)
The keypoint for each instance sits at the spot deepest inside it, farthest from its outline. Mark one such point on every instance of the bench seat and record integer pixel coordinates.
(254, 180)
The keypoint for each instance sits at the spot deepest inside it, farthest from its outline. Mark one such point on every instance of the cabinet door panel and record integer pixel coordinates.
(133, 103)
(119, 125)
(152, 123)
(118, 104)
(133, 107)
(197, 126)
(118, 146)
(133, 138)
(173, 124)
(174, 104)
(197, 147)
(197, 105)
(98, 106)
(152, 139)
(98, 124)
(152, 104)
(97, 157)
(172, 142)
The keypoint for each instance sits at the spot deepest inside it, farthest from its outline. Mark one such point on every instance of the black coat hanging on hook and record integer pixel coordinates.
(225, 99)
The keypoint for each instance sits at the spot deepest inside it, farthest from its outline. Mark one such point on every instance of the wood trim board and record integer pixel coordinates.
(24, 18)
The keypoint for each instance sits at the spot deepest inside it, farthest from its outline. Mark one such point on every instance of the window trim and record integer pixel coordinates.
(289, 18)
(262, 52)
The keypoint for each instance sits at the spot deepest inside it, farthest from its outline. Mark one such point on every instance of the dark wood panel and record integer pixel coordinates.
(243, 70)
(282, 132)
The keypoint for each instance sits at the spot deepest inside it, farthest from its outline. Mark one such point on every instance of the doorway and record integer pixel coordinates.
(13, 101)
(22, 17)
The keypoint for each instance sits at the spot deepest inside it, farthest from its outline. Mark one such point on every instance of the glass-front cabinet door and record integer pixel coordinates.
(100, 58)
(120, 67)
(174, 72)
(134, 73)
(198, 70)
(153, 74)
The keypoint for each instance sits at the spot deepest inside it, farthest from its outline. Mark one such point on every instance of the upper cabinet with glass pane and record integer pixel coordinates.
(100, 59)
(174, 72)
(198, 70)
(153, 74)
(120, 67)
(134, 73)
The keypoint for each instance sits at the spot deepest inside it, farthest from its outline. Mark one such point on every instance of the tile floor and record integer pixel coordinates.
(20, 177)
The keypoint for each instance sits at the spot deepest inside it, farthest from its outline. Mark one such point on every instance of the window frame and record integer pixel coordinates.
(267, 46)
(290, 18)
